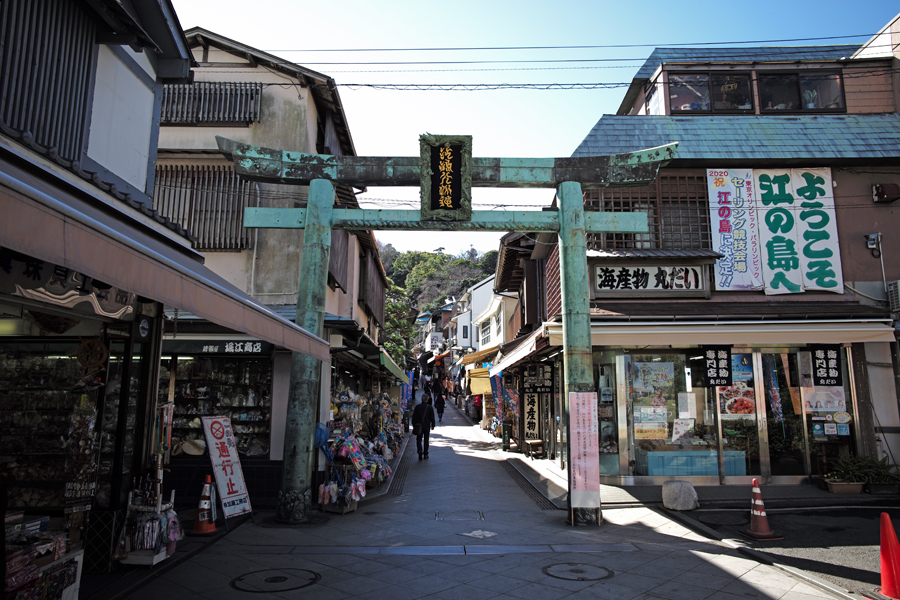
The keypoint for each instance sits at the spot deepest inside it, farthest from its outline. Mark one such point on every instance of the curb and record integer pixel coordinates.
(754, 554)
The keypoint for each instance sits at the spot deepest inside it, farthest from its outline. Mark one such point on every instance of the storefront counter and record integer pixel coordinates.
(688, 462)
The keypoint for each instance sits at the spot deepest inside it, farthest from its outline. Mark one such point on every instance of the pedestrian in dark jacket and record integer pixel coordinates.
(439, 407)
(424, 414)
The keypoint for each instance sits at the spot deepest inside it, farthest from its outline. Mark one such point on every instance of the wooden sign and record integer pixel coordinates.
(445, 166)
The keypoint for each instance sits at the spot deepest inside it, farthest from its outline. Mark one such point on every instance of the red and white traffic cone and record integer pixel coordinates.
(204, 523)
(890, 560)
(759, 522)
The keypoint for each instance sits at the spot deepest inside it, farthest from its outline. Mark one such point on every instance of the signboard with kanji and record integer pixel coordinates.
(645, 280)
(717, 365)
(226, 465)
(585, 448)
(445, 166)
(826, 360)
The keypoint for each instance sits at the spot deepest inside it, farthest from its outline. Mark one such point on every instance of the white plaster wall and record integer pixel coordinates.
(141, 59)
(482, 296)
(884, 396)
(233, 267)
(121, 122)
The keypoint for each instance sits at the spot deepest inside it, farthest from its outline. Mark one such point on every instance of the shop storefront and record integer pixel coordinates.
(712, 412)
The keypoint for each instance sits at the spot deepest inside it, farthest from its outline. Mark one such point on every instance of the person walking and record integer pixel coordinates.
(423, 423)
(439, 407)
(477, 404)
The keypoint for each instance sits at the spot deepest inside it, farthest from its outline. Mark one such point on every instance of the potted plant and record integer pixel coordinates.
(809, 96)
(847, 476)
(882, 478)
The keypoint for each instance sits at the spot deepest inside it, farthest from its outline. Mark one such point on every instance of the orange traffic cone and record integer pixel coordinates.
(204, 523)
(890, 559)
(759, 522)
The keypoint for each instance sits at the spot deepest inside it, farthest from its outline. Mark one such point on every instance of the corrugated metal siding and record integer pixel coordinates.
(554, 293)
(46, 54)
(209, 201)
(211, 102)
(869, 92)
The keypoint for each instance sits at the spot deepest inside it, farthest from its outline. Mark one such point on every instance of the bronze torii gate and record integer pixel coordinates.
(568, 175)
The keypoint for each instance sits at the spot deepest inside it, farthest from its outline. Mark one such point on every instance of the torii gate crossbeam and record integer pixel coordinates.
(571, 222)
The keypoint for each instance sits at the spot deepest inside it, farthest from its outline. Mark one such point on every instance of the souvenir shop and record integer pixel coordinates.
(361, 438)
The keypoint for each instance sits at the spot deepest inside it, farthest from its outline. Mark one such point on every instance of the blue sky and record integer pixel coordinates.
(504, 123)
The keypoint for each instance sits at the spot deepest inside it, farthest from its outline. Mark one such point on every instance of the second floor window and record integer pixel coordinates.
(808, 91)
(485, 333)
(710, 92)
(465, 332)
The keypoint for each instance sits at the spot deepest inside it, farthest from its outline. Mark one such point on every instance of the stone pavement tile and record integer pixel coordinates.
(769, 577)
(565, 584)
(498, 583)
(818, 595)
(399, 560)
(726, 565)
(653, 569)
(680, 560)
(525, 573)
(452, 560)
(363, 565)
(750, 589)
(723, 595)
(199, 579)
(608, 590)
(313, 592)
(386, 593)
(634, 581)
(394, 575)
(673, 590)
(429, 584)
(461, 574)
(464, 592)
(427, 567)
(712, 582)
(806, 589)
(164, 588)
(534, 591)
(354, 585)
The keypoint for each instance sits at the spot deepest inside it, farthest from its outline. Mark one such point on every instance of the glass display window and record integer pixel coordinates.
(820, 91)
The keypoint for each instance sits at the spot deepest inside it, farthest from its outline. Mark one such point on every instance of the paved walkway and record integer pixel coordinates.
(465, 528)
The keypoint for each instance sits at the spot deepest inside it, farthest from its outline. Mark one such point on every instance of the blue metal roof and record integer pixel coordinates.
(747, 137)
(758, 54)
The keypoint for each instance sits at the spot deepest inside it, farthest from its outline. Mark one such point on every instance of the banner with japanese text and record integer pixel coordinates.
(226, 466)
(798, 231)
(735, 235)
(585, 449)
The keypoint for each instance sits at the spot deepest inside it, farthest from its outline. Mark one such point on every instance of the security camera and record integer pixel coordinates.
(872, 240)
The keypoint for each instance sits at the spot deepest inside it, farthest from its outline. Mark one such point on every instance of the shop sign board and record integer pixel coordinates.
(623, 280)
(826, 367)
(585, 450)
(796, 223)
(717, 365)
(226, 465)
(733, 221)
(217, 347)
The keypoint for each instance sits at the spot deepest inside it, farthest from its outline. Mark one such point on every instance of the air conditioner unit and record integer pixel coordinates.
(893, 294)
(885, 192)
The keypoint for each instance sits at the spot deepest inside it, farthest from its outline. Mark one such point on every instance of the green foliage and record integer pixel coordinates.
(489, 262)
(862, 469)
(398, 327)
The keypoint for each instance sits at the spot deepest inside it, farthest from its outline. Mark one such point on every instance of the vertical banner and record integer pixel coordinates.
(779, 231)
(820, 255)
(717, 362)
(826, 367)
(406, 391)
(735, 235)
(226, 465)
(585, 450)
(510, 397)
(497, 393)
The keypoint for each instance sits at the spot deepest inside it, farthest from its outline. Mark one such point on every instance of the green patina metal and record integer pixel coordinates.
(281, 166)
(320, 172)
(427, 142)
(398, 220)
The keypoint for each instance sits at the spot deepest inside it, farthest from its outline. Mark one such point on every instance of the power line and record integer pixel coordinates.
(579, 47)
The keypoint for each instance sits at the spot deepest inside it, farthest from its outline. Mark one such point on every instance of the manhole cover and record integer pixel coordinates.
(577, 572)
(723, 519)
(271, 581)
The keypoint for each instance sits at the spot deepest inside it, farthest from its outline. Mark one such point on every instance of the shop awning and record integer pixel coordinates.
(388, 363)
(520, 352)
(479, 381)
(52, 224)
(480, 356)
(732, 333)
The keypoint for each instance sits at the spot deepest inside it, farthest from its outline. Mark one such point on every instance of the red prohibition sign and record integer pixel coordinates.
(217, 430)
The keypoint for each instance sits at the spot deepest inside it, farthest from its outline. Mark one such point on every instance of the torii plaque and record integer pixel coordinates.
(568, 175)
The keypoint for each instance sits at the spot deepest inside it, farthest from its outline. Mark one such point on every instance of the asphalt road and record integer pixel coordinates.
(838, 544)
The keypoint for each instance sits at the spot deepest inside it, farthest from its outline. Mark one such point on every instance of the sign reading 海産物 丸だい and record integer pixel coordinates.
(445, 164)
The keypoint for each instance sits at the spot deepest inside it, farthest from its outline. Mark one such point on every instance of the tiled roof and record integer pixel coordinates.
(748, 137)
(758, 54)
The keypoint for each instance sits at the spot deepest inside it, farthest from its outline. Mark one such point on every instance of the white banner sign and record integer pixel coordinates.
(776, 229)
(585, 446)
(733, 221)
(226, 465)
